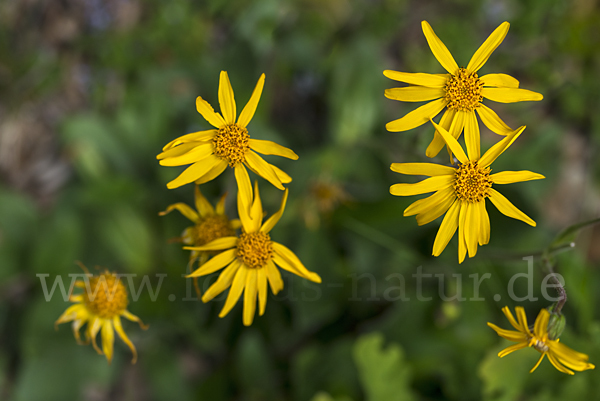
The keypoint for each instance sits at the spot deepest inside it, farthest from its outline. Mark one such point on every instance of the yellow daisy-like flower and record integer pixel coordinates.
(562, 357)
(461, 92)
(460, 193)
(250, 260)
(210, 152)
(101, 306)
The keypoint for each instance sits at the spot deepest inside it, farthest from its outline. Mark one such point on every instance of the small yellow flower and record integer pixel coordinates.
(561, 356)
(101, 306)
(460, 193)
(250, 260)
(210, 152)
(461, 92)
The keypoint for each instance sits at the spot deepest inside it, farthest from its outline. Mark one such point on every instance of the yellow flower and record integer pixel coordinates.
(460, 193)
(101, 306)
(461, 92)
(561, 356)
(210, 152)
(250, 260)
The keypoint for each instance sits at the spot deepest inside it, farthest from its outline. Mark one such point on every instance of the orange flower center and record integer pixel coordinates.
(463, 91)
(231, 144)
(212, 228)
(106, 296)
(254, 249)
(472, 183)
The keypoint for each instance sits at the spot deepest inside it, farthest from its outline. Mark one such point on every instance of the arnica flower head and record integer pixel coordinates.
(250, 260)
(229, 144)
(562, 357)
(460, 192)
(461, 92)
(101, 306)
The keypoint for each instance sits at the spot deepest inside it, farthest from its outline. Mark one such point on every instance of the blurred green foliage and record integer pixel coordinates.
(101, 86)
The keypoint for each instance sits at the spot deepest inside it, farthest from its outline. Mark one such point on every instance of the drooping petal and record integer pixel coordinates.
(108, 339)
(499, 148)
(556, 363)
(226, 98)
(510, 95)
(92, 331)
(271, 148)
(512, 349)
(216, 263)
(274, 219)
(237, 286)
(250, 297)
(538, 363)
(508, 209)
(417, 117)
(419, 78)
(472, 136)
(436, 211)
(499, 80)
(487, 48)
(250, 108)
(492, 121)
(439, 50)
(566, 354)
(288, 260)
(422, 205)
(510, 335)
(447, 229)
(431, 184)
(452, 143)
(70, 314)
(508, 177)
(198, 153)
(274, 277)
(184, 209)
(131, 317)
(540, 327)
(193, 137)
(261, 282)
(437, 143)
(194, 172)
(472, 227)
(429, 169)
(119, 329)
(414, 93)
(485, 231)
(208, 113)
(223, 282)
(244, 192)
(212, 173)
(215, 245)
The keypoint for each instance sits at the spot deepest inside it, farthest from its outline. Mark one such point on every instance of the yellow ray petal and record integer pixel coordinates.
(220, 206)
(212, 173)
(92, 331)
(250, 297)
(256, 211)
(414, 93)
(437, 143)
(522, 318)
(237, 286)
(499, 80)
(216, 263)
(511, 319)
(565, 353)
(472, 227)
(274, 219)
(178, 150)
(184, 209)
(451, 141)
(193, 137)
(261, 282)
(271, 148)
(288, 260)
(492, 121)
(250, 108)
(429, 169)
(462, 226)
(510, 335)
(76, 326)
(439, 50)
(282, 175)
(119, 329)
(472, 136)
(263, 168)
(202, 205)
(128, 315)
(244, 192)
(417, 117)
(68, 315)
(274, 277)
(555, 362)
(540, 327)
(194, 172)
(499, 148)
(510, 95)
(108, 339)
(431, 184)
(200, 152)
(512, 349)
(419, 78)
(208, 113)
(487, 48)
(538, 362)
(484, 234)
(215, 245)
(422, 205)
(508, 177)
(226, 99)
(507, 208)
(447, 229)
(223, 282)
(436, 211)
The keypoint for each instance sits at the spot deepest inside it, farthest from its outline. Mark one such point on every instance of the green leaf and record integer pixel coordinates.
(569, 233)
(384, 373)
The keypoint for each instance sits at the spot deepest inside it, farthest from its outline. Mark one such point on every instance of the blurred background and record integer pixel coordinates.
(90, 91)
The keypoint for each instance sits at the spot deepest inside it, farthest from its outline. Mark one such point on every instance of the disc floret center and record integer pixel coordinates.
(231, 144)
(472, 183)
(255, 249)
(463, 91)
